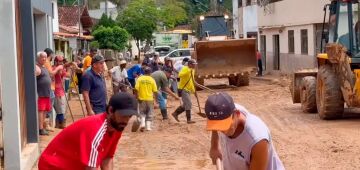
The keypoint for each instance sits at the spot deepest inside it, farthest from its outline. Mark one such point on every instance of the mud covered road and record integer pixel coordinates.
(303, 141)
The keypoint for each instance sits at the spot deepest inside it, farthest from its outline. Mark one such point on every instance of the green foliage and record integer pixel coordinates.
(172, 13)
(139, 19)
(111, 37)
(68, 2)
(95, 44)
(105, 21)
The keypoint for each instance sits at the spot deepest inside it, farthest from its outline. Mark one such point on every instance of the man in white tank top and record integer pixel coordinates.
(240, 139)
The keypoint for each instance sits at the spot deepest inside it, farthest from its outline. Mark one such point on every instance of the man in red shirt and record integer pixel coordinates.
(90, 143)
(259, 62)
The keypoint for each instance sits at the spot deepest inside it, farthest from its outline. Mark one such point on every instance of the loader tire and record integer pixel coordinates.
(243, 80)
(308, 94)
(329, 98)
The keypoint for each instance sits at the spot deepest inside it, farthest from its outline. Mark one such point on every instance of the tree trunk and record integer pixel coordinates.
(139, 52)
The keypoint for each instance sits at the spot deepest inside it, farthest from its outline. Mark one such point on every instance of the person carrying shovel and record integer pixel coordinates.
(186, 87)
(240, 139)
(161, 78)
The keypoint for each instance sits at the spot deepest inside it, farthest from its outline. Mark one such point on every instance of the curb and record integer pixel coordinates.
(265, 79)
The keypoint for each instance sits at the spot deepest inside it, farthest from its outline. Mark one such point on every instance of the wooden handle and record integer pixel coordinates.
(219, 165)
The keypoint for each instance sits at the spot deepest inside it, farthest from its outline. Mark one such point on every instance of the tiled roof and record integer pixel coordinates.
(69, 29)
(68, 16)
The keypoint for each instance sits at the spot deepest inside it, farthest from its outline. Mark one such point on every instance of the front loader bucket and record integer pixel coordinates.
(225, 57)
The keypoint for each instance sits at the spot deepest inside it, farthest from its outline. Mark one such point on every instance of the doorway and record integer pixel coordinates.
(276, 45)
(263, 50)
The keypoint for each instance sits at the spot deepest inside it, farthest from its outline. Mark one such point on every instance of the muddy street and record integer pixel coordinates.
(303, 141)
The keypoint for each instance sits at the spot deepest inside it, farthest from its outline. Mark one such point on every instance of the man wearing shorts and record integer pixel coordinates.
(43, 81)
(240, 139)
(146, 90)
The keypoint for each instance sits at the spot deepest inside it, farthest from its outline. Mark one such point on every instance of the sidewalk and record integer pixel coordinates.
(282, 80)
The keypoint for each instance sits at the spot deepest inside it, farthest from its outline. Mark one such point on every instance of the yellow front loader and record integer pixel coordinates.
(337, 79)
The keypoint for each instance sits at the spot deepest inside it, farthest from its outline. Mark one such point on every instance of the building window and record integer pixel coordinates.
(240, 3)
(304, 41)
(291, 40)
(248, 2)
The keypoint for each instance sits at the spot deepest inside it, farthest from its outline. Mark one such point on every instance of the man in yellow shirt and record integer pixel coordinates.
(186, 87)
(88, 59)
(146, 89)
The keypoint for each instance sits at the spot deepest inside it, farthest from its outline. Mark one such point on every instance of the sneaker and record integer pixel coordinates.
(43, 132)
(175, 117)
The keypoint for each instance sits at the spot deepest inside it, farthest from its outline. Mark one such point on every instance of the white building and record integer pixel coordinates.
(290, 33)
(247, 18)
(26, 25)
(112, 11)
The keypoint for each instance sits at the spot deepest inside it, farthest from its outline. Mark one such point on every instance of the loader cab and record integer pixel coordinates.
(343, 26)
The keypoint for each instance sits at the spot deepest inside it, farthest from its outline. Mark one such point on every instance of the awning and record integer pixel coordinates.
(85, 37)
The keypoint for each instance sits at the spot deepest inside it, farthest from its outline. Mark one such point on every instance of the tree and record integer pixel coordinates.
(105, 21)
(140, 20)
(172, 13)
(111, 37)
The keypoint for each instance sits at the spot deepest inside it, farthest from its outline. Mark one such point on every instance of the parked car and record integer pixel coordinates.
(162, 50)
(178, 54)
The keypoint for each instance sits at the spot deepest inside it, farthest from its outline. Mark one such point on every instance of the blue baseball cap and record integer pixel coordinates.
(219, 108)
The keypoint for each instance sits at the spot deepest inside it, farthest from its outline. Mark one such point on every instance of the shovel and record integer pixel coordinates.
(219, 165)
(201, 114)
(197, 99)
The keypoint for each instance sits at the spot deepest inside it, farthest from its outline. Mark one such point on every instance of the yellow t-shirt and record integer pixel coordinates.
(145, 87)
(49, 68)
(87, 62)
(185, 76)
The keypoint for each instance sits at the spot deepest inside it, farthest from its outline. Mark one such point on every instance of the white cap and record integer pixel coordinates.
(122, 62)
(157, 53)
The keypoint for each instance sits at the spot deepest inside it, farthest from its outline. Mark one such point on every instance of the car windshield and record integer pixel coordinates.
(162, 50)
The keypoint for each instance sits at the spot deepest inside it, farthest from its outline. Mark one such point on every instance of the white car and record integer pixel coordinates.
(178, 54)
(162, 50)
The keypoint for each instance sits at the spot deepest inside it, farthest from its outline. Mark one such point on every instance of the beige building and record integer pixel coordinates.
(289, 33)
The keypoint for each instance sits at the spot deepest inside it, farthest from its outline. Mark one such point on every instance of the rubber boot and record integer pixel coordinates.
(177, 112)
(60, 121)
(148, 126)
(142, 123)
(188, 117)
(62, 124)
(164, 114)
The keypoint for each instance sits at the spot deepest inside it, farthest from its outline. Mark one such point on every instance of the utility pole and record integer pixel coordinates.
(79, 22)
(235, 18)
(106, 8)
(214, 6)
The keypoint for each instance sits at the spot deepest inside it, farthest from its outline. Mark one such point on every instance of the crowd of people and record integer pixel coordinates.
(240, 139)
(151, 81)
